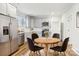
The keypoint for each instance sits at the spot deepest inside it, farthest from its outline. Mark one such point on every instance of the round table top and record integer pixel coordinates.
(44, 40)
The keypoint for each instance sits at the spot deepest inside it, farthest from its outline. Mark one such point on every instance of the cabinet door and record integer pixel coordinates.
(3, 8)
(11, 10)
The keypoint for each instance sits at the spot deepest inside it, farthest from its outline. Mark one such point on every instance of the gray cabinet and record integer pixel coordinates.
(20, 38)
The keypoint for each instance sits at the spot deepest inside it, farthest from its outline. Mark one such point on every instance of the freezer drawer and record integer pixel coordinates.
(5, 48)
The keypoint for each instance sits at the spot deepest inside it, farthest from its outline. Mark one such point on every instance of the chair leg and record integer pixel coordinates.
(64, 54)
(39, 53)
(59, 53)
(34, 53)
(30, 53)
(55, 53)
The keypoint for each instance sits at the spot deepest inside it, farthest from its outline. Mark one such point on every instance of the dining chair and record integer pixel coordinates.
(33, 48)
(61, 48)
(34, 36)
(56, 35)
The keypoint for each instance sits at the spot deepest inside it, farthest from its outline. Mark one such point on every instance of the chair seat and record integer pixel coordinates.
(57, 48)
(37, 48)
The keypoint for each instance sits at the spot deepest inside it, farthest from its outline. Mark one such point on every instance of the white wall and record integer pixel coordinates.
(55, 24)
(69, 20)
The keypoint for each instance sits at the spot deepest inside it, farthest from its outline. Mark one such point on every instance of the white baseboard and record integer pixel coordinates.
(75, 51)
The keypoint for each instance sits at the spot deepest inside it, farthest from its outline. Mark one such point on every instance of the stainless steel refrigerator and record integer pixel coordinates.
(8, 35)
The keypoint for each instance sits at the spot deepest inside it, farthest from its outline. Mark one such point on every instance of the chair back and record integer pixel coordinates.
(34, 36)
(56, 35)
(65, 43)
(30, 44)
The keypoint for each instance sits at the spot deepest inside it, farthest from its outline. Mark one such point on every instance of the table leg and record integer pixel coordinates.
(46, 49)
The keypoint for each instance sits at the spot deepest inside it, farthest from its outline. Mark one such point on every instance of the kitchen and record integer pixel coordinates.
(19, 20)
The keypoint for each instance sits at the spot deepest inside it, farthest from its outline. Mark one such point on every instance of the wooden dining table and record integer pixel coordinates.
(46, 42)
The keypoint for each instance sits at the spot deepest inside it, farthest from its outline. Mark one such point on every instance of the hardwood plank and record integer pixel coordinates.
(24, 51)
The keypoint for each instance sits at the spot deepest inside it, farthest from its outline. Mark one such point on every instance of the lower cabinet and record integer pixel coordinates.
(21, 39)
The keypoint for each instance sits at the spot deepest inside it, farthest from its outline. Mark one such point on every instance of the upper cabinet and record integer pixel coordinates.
(3, 8)
(11, 10)
(8, 9)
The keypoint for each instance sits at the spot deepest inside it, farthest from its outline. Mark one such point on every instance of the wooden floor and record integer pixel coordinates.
(24, 51)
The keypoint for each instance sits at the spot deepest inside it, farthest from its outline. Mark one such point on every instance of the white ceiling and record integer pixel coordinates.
(44, 9)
